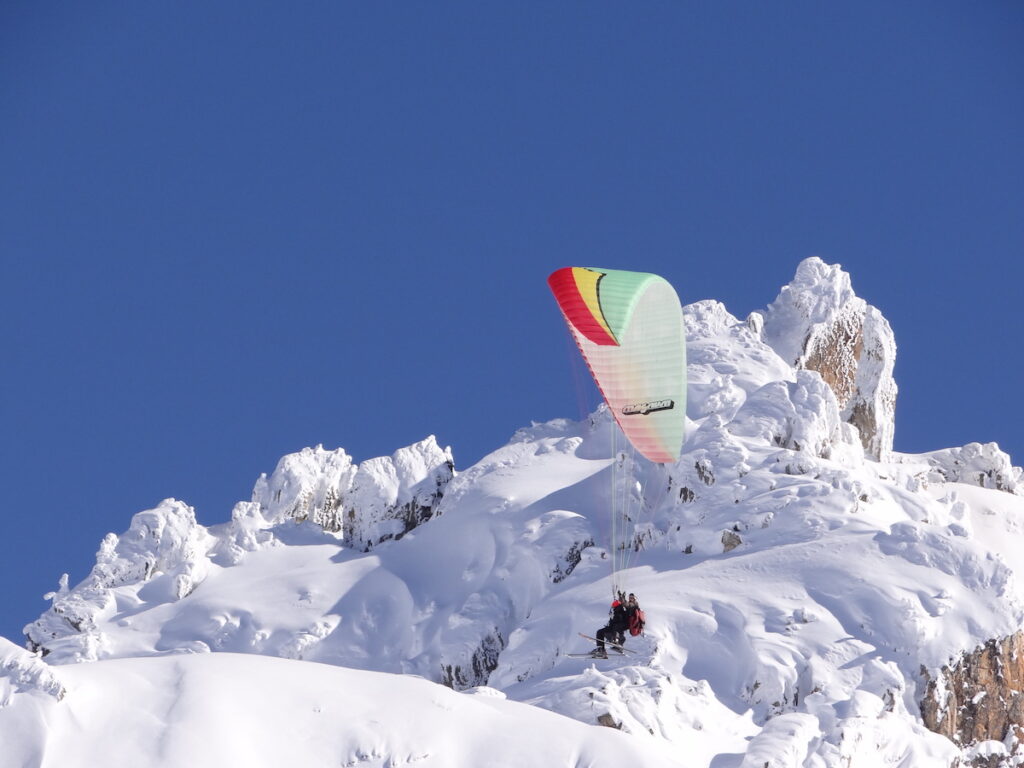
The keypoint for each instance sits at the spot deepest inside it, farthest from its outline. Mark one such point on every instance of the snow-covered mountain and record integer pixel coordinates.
(813, 598)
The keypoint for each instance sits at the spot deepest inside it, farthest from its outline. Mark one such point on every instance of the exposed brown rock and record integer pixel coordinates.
(981, 696)
(865, 420)
(839, 351)
(730, 540)
(834, 354)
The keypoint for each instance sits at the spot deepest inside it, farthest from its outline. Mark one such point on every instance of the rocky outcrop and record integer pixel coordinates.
(818, 323)
(980, 698)
(977, 464)
(306, 486)
(368, 503)
(164, 542)
(481, 663)
(392, 495)
(568, 562)
(730, 540)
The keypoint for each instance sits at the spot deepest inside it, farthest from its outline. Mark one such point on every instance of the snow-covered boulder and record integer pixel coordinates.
(818, 323)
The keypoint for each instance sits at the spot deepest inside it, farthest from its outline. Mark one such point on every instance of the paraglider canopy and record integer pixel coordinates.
(629, 327)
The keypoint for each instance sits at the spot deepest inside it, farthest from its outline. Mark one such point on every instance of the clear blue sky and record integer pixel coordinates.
(229, 230)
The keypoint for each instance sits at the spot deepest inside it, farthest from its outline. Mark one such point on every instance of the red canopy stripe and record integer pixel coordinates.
(576, 309)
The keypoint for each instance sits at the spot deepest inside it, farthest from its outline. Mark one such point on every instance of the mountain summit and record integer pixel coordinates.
(813, 597)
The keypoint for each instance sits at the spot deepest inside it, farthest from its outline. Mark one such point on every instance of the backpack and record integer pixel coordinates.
(636, 623)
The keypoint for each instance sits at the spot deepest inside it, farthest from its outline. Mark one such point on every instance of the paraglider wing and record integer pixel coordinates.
(629, 327)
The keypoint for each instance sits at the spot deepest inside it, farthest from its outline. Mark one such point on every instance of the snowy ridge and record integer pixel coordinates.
(800, 593)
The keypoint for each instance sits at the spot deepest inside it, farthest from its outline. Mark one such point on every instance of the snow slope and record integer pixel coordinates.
(795, 587)
(231, 710)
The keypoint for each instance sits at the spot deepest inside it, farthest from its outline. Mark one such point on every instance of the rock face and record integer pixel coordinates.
(818, 323)
(980, 698)
(371, 502)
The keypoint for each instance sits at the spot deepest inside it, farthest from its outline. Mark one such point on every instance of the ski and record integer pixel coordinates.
(608, 642)
(585, 656)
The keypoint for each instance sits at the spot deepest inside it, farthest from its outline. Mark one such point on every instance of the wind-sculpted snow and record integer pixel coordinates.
(795, 586)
